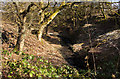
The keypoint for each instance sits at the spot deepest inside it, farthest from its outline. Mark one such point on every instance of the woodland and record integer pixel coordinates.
(71, 40)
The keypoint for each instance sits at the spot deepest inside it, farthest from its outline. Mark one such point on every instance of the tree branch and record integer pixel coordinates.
(46, 6)
(24, 13)
(17, 11)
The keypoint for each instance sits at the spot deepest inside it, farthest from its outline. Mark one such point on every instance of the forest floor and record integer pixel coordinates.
(51, 49)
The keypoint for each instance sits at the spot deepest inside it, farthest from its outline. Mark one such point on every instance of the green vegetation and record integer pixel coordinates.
(34, 66)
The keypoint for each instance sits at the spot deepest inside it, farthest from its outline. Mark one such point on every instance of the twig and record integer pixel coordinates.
(89, 33)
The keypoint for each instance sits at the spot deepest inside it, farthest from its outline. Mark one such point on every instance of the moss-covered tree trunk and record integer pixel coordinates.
(44, 24)
(21, 36)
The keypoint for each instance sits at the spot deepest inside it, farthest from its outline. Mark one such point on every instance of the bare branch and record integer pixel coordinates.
(46, 6)
(17, 11)
(24, 13)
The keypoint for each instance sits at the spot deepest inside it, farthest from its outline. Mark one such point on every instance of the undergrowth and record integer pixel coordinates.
(36, 66)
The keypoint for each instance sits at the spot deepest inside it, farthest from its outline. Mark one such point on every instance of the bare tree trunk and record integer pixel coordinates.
(21, 20)
(40, 32)
(21, 39)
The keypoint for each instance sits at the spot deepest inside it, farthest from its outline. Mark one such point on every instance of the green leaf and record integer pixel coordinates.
(46, 61)
(39, 75)
(56, 76)
(11, 72)
(29, 66)
(70, 75)
(41, 60)
(10, 54)
(49, 75)
(9, 76)
(17, 52)
(30, 57)
(23, 53)
(33, 57)
(20, 65)
(36, 68)
(30, 74)
(24, 60)
(7, 53)
(33, 67)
